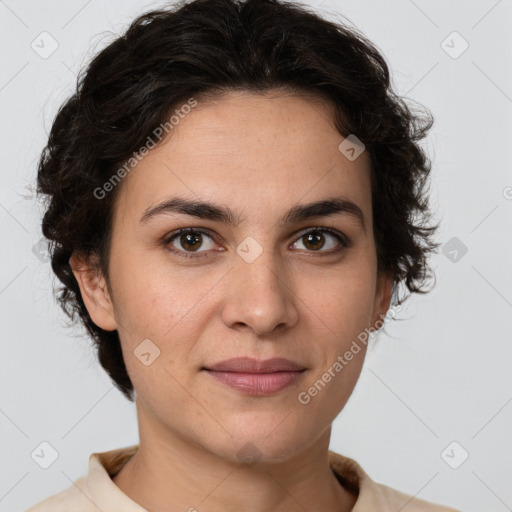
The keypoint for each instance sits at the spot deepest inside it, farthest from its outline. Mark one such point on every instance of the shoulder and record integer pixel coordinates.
(74, 497)
(372, 495)
(394, 498)
(94, 491)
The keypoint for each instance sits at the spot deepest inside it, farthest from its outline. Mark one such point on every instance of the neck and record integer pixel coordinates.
(170, 473)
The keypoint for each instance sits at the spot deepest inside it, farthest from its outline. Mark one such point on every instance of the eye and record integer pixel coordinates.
(314, 240)
(190, 240)
(187, 242)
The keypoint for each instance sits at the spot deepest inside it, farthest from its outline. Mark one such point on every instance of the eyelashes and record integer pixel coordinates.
(190, 236)
(187, 232)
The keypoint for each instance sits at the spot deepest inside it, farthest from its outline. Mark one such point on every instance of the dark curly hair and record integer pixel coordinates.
(203, 49)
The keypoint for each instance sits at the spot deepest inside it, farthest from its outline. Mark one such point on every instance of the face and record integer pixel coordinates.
(263, 284)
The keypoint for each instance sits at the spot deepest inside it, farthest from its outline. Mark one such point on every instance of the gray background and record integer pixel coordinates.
(441, 375)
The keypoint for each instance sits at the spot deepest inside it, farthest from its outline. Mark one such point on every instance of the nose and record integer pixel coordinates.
(260, 298)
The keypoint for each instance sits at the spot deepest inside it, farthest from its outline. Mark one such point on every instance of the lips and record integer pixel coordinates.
(256, 377)
(250, 365)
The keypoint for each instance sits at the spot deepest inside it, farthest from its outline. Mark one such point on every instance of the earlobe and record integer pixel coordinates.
(94, 292)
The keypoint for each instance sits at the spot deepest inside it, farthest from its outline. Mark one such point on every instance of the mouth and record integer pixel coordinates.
(256, 377)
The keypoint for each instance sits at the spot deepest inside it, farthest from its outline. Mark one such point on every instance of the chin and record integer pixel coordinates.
(266, 442)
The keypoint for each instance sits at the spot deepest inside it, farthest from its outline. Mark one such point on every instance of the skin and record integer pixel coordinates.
(259, 154)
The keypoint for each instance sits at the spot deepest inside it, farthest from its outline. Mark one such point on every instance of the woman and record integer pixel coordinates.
(235, 196)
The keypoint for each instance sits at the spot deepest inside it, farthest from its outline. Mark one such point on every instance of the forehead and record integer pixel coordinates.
(241, 119)
(267, 149)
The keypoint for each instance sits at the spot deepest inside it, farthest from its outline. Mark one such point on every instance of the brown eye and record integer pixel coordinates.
(322, 238)
(189, 240)
(314, 240)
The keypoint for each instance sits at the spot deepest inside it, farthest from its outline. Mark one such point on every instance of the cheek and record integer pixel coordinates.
(340, 350)
(152, 297)
(342, 299)
(322, 399)
(339, 310)
(161, 315)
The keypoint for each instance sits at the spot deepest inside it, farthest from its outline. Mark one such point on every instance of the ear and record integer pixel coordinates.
(94, 292)
(383, 295)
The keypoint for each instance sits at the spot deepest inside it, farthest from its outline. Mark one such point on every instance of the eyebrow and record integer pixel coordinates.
(224, 214)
